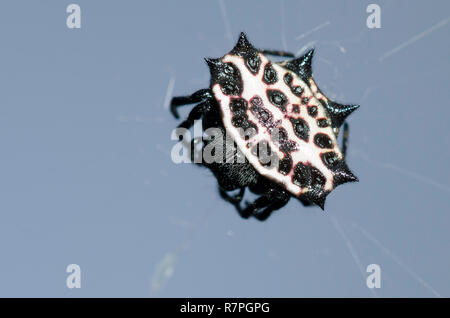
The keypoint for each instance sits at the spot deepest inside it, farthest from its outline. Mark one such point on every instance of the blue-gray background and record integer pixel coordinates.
(86, 175)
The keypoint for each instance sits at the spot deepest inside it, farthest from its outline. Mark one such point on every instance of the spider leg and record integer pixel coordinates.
(236, 199)
(277, 53)
(345, 140)
(197, 97)
(263, 206)
(195, 114)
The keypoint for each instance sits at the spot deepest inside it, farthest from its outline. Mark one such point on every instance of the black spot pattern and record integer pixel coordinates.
(330, 159)
(243, 122)
(277, 98)
(278, 134)
(312, 111)
(297, 90)
(264, 116)
(301, 128)
(323, 141)
(296, 108)
(226, 75)
(288, 79)
(300, 176)
(270, 75)
(229, 88)
(252, 61)
(280, 138)
(318, 180)
(239, 119)
(323, 122)
(285, 165)
(238, 106)
(305, 101)
(306, 176)
(229, 69)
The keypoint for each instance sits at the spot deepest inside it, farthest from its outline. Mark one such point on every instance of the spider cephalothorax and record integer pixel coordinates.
(280, 109)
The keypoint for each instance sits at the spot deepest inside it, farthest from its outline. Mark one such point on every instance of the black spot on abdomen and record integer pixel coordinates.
(300, 176)
(285, 165)
(297, 90)
(239, 119)
(323, 122)
(281, 139)
(230, 88)
(330, 159)
(323, 141)
(238, 106)
(270, 75)
(253, 62)
(312, 111)
(261, 113)
(301, 128)
(288, 79)
(306, 176)
(318, 180)
(277, 98)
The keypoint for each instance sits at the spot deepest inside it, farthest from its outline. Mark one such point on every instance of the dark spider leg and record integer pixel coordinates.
(345, 140)
(236, 199)
(263, 207)
(195, 114)
(277, 53)
(282, 198)
(197, 97)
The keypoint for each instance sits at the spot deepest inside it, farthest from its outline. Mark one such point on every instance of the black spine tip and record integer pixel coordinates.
(321, 204)
(307, 57)
(306, 62)
(302, 65)
(243, 41)
(339, 113)
(317, 197)
(243, 46)
(212, 63)
(342, 175)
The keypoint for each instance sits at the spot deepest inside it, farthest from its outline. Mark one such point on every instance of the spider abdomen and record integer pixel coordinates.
(284, 128)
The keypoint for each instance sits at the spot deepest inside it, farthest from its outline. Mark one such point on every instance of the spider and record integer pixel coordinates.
(287, 115)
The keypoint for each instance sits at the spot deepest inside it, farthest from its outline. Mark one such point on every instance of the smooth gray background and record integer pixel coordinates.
(86, 175)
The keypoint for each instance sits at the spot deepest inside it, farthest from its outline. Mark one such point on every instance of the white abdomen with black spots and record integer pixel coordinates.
(306, 152)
